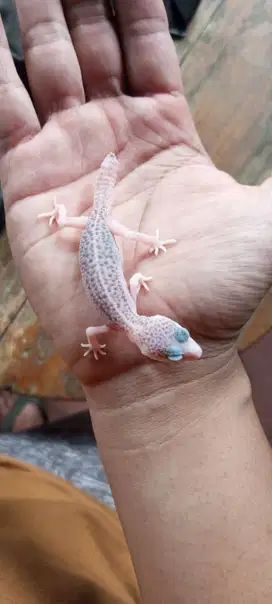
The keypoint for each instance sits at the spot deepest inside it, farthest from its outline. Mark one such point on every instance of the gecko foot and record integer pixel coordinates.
(92, 341)
(143, 282)
(97, 350)
(57, 215)
(160, 245)
(136, 282)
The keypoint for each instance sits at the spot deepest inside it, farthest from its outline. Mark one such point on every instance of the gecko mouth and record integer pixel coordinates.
(175, 357)
(173, 353)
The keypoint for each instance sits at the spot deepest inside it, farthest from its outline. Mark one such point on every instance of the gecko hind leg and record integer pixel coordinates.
(92, 341)
(136, 282)
(153, 241)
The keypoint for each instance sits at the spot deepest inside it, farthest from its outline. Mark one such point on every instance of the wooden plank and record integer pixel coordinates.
(29, 362)
(12, 296)
(227, 80)
(203, 16)
(258, 325)
(5, 252)
(226, 68)
(28, 359)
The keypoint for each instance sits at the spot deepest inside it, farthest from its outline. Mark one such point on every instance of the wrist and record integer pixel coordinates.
(151, 403)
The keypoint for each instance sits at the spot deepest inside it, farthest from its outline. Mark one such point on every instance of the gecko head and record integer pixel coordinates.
(162, 339)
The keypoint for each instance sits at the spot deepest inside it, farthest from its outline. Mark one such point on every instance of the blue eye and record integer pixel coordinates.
(182, 335)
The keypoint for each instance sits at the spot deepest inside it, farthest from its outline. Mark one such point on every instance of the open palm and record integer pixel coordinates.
(220, 268)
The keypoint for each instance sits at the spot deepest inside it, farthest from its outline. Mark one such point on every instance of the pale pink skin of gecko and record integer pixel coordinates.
(157, 337)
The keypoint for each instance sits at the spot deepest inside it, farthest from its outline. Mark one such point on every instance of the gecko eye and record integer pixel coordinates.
(174, 353)
(182, 335)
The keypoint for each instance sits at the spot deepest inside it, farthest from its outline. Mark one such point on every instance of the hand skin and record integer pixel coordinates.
(189, 465)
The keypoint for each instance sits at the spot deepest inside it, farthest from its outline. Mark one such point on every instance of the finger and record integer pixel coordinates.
(18, 119)
(52, 66)
(151, 61)
(96, 45)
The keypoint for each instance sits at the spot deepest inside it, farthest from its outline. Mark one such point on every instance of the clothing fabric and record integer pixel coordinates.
(58, 545)
(74, 457)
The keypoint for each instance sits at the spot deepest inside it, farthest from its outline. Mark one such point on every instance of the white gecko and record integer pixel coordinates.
(100, 261)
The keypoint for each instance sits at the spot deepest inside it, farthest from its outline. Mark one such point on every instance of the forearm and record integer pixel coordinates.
(191, 478)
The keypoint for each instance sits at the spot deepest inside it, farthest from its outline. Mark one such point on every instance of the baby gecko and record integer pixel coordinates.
(100, 262)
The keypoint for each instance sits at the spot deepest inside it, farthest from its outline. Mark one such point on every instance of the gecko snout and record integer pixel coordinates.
(163, 339)
(182, 346)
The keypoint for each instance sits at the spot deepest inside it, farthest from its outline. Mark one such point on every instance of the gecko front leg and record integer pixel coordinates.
(154, 242)
(135, 283)
(59, 216)
(93, 344)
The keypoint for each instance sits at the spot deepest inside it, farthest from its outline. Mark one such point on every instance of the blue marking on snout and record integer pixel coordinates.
(174, 353)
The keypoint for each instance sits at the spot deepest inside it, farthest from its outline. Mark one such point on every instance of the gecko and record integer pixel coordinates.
(100, 261)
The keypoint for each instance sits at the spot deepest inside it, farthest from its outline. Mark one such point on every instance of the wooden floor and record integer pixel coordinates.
(226, 67)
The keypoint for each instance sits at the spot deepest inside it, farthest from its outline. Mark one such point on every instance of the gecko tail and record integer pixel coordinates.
(106, 183)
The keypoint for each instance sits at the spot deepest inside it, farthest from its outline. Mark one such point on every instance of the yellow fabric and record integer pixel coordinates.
(58, 544)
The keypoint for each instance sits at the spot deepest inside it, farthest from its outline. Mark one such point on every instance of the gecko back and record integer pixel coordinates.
(99, 257)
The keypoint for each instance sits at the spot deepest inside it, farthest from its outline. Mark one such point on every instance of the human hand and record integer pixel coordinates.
(90, 100)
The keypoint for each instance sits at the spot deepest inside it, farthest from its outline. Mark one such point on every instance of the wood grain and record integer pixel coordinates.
(12, 294)
(227, 80)
(29, 362)
(5, 252)
(258, 325)
(203, 16)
